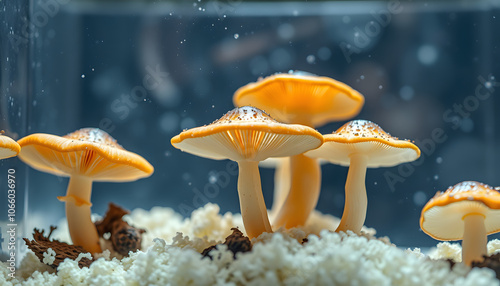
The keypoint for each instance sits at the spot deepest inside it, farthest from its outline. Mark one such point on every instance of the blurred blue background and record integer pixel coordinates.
(144, 71)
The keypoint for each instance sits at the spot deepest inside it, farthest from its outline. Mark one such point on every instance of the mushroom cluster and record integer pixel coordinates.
(300, 98)
(301, 101)
(273, 123)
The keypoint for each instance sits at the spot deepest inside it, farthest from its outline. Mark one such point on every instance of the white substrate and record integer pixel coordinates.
(172, 246)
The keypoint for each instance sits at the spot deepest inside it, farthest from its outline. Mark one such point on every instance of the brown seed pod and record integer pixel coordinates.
(124, 237)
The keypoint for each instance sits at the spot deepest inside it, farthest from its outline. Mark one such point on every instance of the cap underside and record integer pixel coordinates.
(378, 153)
(9, 147)
(446, 222)
(247, 141)
(7, 153)
(66, 157)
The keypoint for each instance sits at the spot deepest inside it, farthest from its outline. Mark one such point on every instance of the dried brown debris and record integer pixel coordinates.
(124, 237)
(41, 244)
(492, 262)
(236, 242)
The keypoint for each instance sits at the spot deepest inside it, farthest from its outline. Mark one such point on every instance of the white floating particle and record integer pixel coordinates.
(236, 36)
(436, 177)
(439, 160)
(406, 92)
(427, 54)
(419, 198)
(286, 31)
(310, 59)
(324, 53)
(380, 87)
(83, 76)
(212, 179)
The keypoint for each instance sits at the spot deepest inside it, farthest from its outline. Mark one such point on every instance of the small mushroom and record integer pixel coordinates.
(86, 155)
(247, 136)
(300, 98)
(361, 144)
(8, 147)
(468, 211)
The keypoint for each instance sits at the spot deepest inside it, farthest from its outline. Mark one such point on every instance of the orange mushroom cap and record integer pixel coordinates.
(247, 133)
(89, 152)
(363, 136)
(298, 97)
(442, 217)
(8, 147)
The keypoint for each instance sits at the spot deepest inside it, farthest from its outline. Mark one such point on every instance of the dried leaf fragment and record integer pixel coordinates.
(41, 245)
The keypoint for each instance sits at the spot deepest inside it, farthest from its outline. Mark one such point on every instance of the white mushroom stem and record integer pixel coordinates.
(304, 192)
(282, 180)
(475, 238)
(252, 205)
(356, 201)
(81, 229)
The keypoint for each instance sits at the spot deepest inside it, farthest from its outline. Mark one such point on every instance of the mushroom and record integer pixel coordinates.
(300, 98)
(361, 144)
(8, 147)
(86, 155)
(468, 211)
(248, 135)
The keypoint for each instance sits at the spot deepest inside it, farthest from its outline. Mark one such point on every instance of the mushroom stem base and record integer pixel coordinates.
(81, 228)
(475, 239)
(252, 205)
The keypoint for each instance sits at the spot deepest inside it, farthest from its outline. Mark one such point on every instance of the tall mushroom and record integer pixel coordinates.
(301, 98)
(362, 144)
(468, 211)
(86, 155)
(248, 135)
(8, 147)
